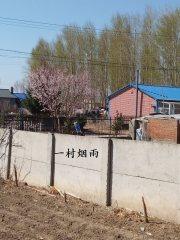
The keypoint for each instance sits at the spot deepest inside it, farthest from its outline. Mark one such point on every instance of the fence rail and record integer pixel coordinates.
(100, 126)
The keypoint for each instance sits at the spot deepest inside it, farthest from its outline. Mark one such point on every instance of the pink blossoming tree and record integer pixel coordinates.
(59, 92)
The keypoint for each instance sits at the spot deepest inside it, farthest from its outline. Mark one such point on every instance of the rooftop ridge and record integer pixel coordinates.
(19, 93)
(153, 85)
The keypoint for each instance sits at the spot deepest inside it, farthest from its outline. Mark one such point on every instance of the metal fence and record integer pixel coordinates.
(106, 126)
(91, 126)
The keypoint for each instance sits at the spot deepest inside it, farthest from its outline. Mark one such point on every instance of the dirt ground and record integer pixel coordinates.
(27, 213)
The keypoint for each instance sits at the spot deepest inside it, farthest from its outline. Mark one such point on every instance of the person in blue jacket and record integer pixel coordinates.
(78, 128)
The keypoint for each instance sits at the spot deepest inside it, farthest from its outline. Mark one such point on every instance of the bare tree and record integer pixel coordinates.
(20, 86)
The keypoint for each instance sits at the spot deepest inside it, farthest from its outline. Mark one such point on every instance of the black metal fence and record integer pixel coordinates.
(90, 126)
(32, 123)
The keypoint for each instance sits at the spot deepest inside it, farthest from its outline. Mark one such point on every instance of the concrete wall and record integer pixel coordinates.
(30, 155)
(83, 176)
(122, 173)
(147, 169)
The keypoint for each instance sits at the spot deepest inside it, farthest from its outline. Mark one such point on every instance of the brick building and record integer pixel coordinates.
(151, 99)
(158, 128)
(164, 128)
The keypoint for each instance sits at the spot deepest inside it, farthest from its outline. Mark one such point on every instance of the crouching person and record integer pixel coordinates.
(78, 129)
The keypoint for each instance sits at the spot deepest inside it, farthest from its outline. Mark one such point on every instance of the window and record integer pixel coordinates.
(164, 107)
(169, 108)
(176, 108)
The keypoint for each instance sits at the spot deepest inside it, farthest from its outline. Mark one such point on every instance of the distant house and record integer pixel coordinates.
(8, 101)
(20, 98)
(151, 99)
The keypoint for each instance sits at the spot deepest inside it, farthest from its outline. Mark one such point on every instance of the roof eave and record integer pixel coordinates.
(8, 97)
(119, 91)
(168, 100)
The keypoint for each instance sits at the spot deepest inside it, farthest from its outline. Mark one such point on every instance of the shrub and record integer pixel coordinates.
(82, 120)
(118, 123)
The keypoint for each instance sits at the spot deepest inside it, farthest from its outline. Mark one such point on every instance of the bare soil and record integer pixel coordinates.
(29, 213)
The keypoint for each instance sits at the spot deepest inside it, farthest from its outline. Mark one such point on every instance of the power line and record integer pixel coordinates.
(32, 22)
(61, 59)
(54, 26)
(28, 26)
(49, 58)
(75, 59)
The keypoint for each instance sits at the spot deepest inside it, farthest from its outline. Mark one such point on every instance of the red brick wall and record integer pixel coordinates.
(125, 104)
(163, 129)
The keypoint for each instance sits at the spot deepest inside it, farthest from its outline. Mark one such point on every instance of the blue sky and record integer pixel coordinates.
(99, 12)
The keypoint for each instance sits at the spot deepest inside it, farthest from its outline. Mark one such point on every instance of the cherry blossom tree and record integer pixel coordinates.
(59, 92)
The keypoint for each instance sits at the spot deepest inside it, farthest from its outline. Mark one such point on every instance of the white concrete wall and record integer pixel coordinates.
(84, 177)
(30, 155)
(147, 169)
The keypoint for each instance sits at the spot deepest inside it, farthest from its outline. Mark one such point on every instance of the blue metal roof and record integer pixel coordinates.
(20, 96)
(167, 93)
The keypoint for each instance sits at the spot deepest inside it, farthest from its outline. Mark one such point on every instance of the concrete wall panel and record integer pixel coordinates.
(30, 155)
(84, 177)
(150, 170)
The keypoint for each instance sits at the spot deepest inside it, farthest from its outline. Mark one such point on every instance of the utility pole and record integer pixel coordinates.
(106, 85)
(136, 113)
(137, 74)
(137, 86)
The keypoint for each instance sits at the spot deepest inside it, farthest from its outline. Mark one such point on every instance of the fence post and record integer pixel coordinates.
(21, 120)
(135, 128)
(51, 152)
(9, 153)
(109, 173)
(110, 123)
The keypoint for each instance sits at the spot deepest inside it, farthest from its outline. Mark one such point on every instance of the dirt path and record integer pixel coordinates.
(29, 214)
